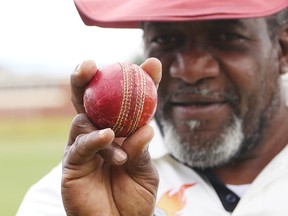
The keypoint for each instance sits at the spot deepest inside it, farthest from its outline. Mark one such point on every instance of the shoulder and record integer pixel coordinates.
(44, 197)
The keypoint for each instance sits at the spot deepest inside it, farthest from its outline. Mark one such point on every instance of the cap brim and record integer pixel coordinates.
(129, 13)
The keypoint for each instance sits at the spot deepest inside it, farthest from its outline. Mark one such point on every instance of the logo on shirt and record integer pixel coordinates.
(172, 202)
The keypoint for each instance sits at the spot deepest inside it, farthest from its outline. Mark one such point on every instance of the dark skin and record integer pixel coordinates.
(234, 56)
(95, 163)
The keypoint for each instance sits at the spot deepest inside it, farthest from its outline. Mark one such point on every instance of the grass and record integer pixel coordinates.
(29, 148)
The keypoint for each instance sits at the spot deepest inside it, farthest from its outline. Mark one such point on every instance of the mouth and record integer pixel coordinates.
(196, 103)
(198, 107)
(196, 100)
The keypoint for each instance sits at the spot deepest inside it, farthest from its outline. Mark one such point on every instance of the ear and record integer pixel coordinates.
(284, 48)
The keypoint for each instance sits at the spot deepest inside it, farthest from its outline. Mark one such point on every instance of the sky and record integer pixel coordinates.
(48, 36)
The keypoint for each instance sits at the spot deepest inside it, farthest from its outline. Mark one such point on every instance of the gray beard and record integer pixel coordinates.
(215, 153)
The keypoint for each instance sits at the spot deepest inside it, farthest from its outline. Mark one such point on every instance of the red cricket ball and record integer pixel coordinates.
(121, 96)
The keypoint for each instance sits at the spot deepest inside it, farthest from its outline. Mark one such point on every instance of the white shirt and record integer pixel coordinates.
(181, 192)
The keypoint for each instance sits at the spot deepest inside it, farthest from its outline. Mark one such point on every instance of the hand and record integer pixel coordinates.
(103, 175)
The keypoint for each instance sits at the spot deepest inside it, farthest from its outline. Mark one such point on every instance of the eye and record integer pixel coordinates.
(229, 36)
(166, 39)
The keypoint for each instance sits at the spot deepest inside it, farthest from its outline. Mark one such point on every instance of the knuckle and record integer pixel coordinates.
(80, 120)
(82, 124)
(80, 146)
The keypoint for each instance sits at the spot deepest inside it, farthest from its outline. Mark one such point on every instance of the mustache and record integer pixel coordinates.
(227, 95)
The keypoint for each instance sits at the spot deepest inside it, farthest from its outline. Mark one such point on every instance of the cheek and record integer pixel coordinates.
(244, 75)
(256, 96)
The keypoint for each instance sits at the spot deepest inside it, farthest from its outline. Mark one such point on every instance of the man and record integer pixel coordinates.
(222, 114)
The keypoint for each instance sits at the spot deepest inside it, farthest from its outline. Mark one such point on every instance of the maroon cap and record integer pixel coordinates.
(129, 13)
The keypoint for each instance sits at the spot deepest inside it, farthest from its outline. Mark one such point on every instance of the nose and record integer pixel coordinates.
(193, 66)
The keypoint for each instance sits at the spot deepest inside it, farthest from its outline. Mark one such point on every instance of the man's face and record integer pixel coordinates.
(219, 87)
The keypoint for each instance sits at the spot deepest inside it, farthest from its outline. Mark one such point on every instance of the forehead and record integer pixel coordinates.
(241, 24)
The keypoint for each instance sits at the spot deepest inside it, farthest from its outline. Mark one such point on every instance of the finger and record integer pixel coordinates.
(79, 79)
(81, 159)
(80, 125)
(82, 129)
(154, 68)
(114, 154)
(86, 146)
(137, 144)
(139, 163)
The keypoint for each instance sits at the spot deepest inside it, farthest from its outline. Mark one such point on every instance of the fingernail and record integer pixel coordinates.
(146, 147)
(119, 155)
(77, 68)
(104, 131)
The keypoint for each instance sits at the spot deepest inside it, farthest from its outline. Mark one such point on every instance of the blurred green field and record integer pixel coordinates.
(29, 148)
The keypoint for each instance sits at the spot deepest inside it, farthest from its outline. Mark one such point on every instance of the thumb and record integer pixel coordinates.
(136, 146)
